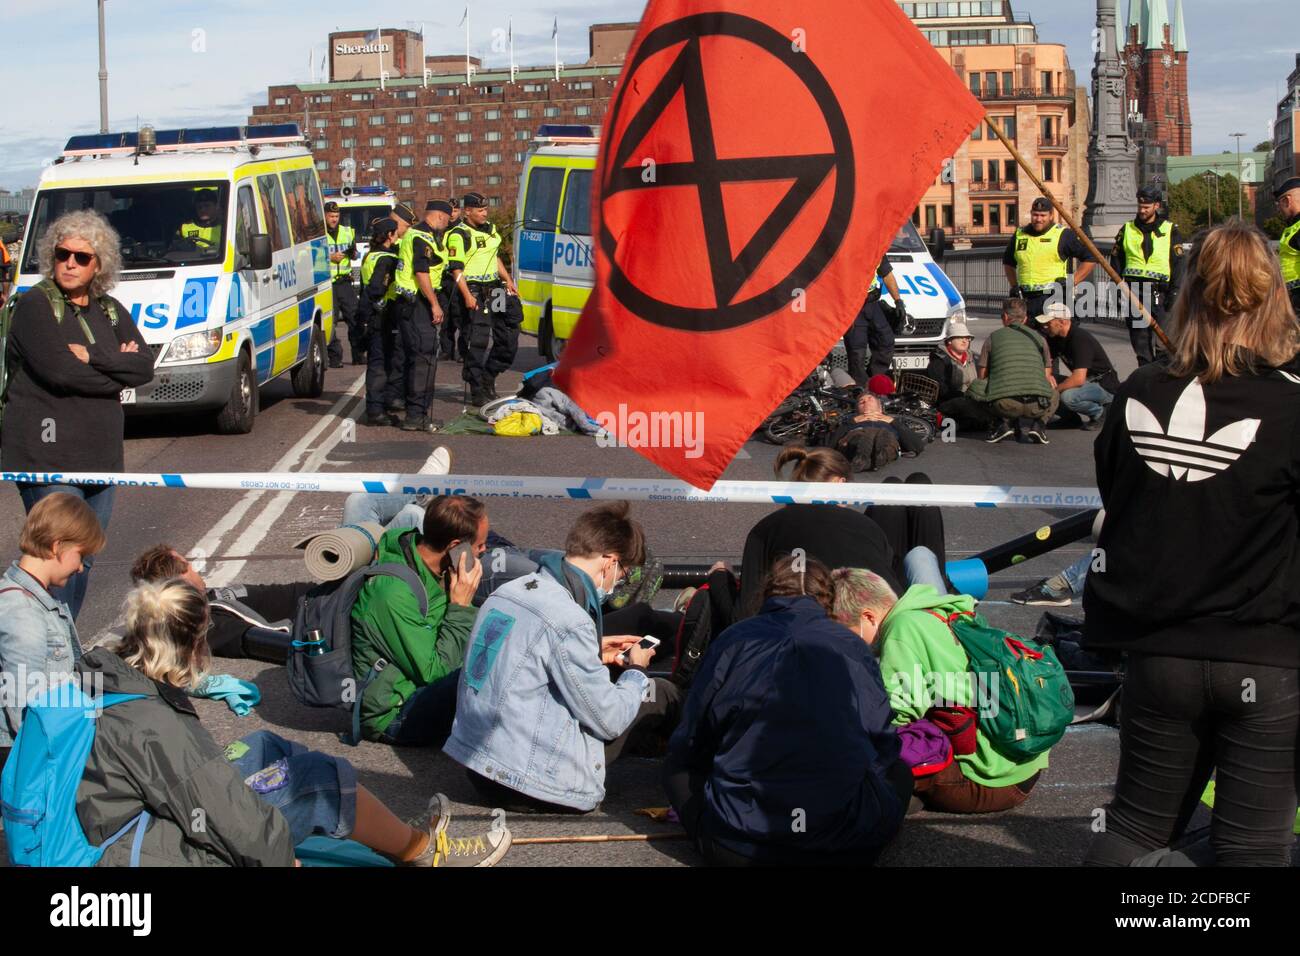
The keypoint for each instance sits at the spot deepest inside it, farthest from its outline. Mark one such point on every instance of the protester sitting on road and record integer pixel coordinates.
(406, 663)
(837, 536)
(64, 408)
(1200, 476)
(871, 439)
(916, 537)
(788, 715)
(537, 717)
(954, 370)
(395, 510)
(1092, 382)
(1015, 380)
(237, 612)
(38, 638)
(258, 798)
(924, 666)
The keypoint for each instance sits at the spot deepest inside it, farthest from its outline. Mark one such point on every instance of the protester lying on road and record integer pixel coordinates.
(38, 637)
(537, 717)
(925, 667)
(871, 439)
(406, 662)
(258, 798)
(785, 753)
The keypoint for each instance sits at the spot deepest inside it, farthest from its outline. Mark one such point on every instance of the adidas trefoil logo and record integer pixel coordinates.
(1183, 450)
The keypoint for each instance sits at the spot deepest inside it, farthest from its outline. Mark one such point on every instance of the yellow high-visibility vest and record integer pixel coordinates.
(1038, 264)
(1136, 265)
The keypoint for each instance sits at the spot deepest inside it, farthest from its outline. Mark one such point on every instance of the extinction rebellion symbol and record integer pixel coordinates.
(708, 173)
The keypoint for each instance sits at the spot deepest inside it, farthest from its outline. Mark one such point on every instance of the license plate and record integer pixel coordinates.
(904, 362)
(128, 396)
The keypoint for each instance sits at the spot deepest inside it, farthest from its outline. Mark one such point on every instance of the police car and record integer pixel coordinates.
(554, 268)
(225, 266)
(358, 207)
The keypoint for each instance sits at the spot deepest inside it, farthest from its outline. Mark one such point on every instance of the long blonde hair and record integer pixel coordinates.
(167, 632)
(1233, 312)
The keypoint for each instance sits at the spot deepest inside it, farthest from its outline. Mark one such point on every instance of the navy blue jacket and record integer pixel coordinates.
(788, 713)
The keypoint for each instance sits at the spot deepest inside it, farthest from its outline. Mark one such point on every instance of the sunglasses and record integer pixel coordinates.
(83, 258)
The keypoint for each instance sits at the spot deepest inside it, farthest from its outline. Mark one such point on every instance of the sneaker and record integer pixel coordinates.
(435, 823)
(396, 407)
(1093, 424)
(378, 419)
(1001, 429)
(422, 424)
(1041, 595)
(1037, 433)
(439, 462)
(485, 849)
(683, 599)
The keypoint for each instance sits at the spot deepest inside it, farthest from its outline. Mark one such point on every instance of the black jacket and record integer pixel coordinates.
(1201, 541)
(62, 414)
(944, 370)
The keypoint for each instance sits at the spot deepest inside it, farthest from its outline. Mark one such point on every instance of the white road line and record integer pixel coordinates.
(253, 535)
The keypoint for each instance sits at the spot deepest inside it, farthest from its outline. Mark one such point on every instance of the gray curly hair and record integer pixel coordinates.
(88, 226)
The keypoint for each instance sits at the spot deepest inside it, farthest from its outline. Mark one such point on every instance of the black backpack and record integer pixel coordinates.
(326, 680)
(710, 611)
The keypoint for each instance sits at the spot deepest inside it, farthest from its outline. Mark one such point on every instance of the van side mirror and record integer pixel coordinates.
(938, 244)
(259, 251)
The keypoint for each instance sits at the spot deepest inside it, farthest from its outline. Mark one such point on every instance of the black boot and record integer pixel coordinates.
(858, 365)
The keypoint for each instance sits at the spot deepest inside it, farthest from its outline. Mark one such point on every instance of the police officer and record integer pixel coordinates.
(454, 327)
(342, 250)
(1146, 253)
(204, 230)
(1037, 259)
(492, 308)
(384, 375)
(1288, 250)
(420, 310)
(870, 329)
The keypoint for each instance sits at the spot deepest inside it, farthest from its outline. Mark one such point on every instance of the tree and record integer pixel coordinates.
(1273, 227)
(1197, 199)
(504, 219)
(1266, 146)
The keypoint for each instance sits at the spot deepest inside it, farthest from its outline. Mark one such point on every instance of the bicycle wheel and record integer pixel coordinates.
(921, 426)
(780, 429)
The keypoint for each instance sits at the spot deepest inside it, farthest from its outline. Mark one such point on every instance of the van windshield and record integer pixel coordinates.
(159, 224)
(907, 240)
(359, 218)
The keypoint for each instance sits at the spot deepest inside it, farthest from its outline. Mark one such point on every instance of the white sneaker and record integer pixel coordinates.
(439, 462)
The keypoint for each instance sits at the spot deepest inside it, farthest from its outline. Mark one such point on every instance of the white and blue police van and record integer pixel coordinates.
(225, 266)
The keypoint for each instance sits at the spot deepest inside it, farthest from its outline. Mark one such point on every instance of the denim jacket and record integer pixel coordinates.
(38, 644)
(535, 705)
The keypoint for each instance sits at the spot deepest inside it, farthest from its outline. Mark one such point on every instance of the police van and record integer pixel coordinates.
(225, 267)
(358, 207)
(554, 268)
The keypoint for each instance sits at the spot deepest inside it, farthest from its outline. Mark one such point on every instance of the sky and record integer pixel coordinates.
(184, 62)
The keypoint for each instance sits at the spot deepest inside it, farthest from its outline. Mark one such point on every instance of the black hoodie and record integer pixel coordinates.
(1201, 541)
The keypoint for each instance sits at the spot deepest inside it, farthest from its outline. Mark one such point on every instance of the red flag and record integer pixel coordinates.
(756, 162)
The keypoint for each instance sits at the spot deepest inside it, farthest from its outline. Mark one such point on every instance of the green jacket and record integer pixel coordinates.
(1016, 366)
(386, 622)
(922, 664)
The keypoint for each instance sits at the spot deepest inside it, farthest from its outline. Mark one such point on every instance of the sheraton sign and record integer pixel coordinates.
(342, 49)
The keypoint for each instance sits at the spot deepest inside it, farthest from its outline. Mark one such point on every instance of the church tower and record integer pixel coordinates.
(1155, 60)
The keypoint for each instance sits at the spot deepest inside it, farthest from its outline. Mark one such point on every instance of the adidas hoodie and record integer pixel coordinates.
(1201, 542)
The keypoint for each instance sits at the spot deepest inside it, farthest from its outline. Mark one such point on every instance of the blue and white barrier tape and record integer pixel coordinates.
(597, 489)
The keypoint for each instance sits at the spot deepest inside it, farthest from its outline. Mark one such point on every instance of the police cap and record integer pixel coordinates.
(403, 210)
(331, 206)
(380, 228)
(1041, 204)
(438, 205)
(474, 201)
(1149, 193)
(1286, 187)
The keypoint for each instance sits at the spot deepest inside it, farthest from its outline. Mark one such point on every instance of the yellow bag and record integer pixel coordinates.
(519, 425)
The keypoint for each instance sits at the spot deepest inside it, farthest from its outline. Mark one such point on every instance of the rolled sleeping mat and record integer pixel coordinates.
(267, 644)
(333, 555)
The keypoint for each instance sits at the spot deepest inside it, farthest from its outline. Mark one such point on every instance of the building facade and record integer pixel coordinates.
(1252, 172)
(1029, 90)
(426, 133)
(1286, 144)
(1155, 57)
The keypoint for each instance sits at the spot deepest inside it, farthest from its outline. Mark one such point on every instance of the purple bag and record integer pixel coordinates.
(925, 748)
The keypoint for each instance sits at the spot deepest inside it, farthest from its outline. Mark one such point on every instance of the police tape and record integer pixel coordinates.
(593, 489)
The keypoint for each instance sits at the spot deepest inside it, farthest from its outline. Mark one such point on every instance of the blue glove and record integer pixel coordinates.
(240, 696)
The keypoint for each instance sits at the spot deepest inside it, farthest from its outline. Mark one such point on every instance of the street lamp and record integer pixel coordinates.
(1209, 204)
(103, 73)
(1239, 187)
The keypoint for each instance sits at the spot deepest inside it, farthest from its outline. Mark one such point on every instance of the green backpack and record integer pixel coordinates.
(1024, 695)
(9, 359)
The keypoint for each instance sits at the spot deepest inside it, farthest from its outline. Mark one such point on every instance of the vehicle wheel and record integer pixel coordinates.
(309, 377)
(925, 429)
(546, 336)
(237, 416)
(780, 429)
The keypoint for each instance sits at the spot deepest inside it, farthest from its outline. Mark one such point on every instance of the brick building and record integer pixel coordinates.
(1155, 59)
(1029, 90)
(426, 133)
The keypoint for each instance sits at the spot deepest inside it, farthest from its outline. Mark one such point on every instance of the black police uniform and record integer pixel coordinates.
(345, 310)
(419, 334)
(493, 326)
(1157, 296)
(1069, 246)
(871, 330)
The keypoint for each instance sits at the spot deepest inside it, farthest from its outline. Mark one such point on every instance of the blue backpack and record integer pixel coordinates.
(39, 784)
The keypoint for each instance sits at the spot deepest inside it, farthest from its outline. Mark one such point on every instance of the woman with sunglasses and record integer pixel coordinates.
(72, 349)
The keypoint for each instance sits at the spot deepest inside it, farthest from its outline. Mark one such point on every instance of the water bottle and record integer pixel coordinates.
(315, 643)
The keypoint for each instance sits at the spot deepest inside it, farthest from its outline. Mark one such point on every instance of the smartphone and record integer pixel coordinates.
(645, 643)
(454, 554)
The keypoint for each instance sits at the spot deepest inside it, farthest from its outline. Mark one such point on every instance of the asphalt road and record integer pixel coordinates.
(249, 537)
